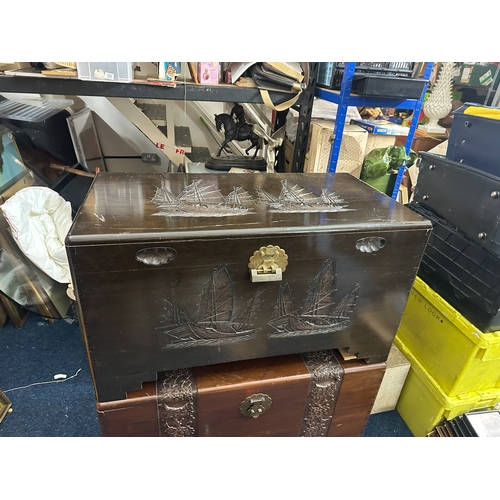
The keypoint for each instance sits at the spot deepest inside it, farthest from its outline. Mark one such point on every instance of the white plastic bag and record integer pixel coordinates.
(40, 219)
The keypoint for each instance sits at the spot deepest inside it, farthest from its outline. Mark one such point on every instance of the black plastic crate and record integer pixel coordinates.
(464, 273)
(330, 74)
(474, 141)
(387, 86)
(467, 197)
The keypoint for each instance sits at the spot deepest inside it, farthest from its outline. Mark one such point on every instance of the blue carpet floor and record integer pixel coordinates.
(33, 354)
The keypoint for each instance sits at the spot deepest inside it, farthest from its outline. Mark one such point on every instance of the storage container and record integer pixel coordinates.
(463, 272)
(106, 71)
(424, 404)
(466, 197)
(388, 86)
(451, 349)
(180, 270)
(314, 394)
(376, 79)
(330, 74)
(319, 145)
(473, 138)
(32, 109)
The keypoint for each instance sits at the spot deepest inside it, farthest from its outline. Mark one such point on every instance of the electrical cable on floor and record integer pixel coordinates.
(48, 382)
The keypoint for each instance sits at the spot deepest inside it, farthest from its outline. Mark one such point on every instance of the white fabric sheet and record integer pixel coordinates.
(40, 219)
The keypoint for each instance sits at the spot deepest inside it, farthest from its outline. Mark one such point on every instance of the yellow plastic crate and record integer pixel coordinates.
(423, 404)
(451, 349)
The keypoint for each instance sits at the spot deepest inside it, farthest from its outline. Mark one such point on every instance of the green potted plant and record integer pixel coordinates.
(380, 167)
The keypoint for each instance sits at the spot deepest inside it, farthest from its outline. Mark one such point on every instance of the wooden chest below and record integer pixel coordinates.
(181, 270)
(317, 394)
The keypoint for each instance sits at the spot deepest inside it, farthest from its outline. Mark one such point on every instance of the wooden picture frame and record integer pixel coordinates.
(17, 314)
(5, 405)
(3, 316)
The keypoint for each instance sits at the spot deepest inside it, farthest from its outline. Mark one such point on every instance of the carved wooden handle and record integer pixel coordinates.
(156, 256)
(370, 244)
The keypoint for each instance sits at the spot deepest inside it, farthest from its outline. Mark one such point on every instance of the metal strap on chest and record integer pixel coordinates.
(327, 375)
(176, 393)
(177, 397)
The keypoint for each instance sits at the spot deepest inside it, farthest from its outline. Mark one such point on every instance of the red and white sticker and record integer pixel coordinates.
(179, 151)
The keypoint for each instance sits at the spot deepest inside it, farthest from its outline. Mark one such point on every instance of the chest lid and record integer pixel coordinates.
(124, 207)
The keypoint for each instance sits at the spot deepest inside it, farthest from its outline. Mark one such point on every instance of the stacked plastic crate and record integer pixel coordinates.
(450, 330)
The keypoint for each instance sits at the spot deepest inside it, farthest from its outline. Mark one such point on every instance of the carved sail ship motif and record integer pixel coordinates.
(175, 314)
(332, 199)
(164, 198)
(205, 201)
(200, 196)
(320, 313)
(239, 198)
(266, 198)
(216, 322)
(298, 199)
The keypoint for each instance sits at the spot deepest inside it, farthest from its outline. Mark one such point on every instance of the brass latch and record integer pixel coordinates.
(268, 264)
(255, 405)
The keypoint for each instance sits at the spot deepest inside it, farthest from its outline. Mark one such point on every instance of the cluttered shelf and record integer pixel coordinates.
(139, 90)
(391, 93)
(366, 101)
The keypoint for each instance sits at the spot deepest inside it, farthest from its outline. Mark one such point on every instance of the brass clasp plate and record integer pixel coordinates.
(268, 264)
(255, 405)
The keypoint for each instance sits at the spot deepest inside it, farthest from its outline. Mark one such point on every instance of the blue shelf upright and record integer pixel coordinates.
(344, 99)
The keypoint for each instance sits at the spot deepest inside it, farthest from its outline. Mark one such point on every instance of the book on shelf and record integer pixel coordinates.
(236, 69)
(381, 127)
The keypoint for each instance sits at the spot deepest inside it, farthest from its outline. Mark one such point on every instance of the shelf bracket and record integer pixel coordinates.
(343, 105)
(413, 128)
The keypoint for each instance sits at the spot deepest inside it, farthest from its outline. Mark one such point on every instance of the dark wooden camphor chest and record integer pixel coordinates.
(181, 270)
(312, 395)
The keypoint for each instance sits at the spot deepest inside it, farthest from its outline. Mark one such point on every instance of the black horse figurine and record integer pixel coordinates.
(241, 131)
(238, 113)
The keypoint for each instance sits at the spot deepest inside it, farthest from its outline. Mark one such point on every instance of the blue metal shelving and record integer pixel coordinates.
(344, 99)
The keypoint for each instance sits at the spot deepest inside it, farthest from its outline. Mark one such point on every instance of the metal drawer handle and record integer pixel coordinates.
(156, 256)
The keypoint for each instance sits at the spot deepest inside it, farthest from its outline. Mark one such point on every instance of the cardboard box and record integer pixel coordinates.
(352, 148)
(208, 72)
(288, 146)
(169, 71)
(419, 143)
(381, 127)
(392, 384)
(376, 141)
(7, 66)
